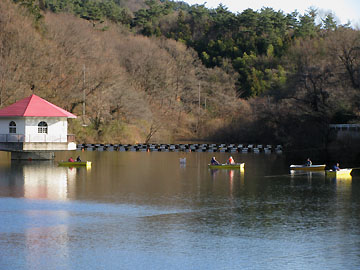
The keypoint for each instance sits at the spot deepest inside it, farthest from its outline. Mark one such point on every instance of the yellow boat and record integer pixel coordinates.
(228, 166)
(342, 173)
(307, 168)
(86, 164)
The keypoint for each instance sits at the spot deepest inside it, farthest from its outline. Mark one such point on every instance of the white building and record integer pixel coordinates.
(34, 124)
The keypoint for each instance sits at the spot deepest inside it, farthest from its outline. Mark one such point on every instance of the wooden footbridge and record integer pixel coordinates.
(231, 148)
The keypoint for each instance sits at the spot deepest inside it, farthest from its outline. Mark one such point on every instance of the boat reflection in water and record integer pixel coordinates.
(231, 173)
(308, 174)
(341, 179)
(231, 178)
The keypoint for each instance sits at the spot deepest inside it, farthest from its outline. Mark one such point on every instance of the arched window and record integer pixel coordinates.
(42, 127)
(12, 127)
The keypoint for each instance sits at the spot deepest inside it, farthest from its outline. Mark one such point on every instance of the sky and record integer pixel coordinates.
(343, 10)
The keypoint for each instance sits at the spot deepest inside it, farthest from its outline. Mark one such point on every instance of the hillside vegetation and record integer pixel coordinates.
(162, 70)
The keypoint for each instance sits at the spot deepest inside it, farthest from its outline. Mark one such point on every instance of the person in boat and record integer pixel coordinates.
(336, 167)
(78, 159)
(231, 160)
(71, 159)
(308, 162)
(214, 161)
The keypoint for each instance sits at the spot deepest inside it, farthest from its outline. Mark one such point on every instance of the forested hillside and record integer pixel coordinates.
(163, 70)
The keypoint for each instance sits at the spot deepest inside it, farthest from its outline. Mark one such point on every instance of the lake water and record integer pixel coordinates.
(135, 210)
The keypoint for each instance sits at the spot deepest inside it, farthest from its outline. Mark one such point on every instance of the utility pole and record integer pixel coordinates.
(84, 96)
(198, 122)
(199, 98)
(84, 70)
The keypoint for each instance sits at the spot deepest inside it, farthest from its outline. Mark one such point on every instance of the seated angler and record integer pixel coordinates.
(214, 161)
(231, 160)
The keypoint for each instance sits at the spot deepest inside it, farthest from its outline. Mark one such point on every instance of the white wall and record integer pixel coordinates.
(27, 127)
(4, 125)
(57, 129)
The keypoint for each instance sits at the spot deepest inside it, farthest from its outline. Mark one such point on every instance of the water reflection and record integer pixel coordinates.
(230, 173)
(35, 228)
(147, 211)
(50, 242)
(234, 178)
(37, 180)
(5, 159)
(341, 184)
(307, 175)
(343, 187)
(214, 173)
(295, 173)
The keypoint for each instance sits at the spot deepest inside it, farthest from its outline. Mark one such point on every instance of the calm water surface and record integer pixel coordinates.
(136, 210)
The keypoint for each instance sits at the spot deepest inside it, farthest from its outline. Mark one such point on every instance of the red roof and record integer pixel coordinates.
(36, 107)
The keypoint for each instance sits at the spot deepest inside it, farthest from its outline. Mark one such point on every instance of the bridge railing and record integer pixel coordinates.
(12, 138)
(36, 138)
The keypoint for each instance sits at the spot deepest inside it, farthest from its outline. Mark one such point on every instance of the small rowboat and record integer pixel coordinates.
(236, 166)
(86, 164)
(308, 168)
(342, 173)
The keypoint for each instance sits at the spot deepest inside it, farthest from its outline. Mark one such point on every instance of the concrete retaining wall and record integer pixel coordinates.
(37, 146)
(33, 155)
